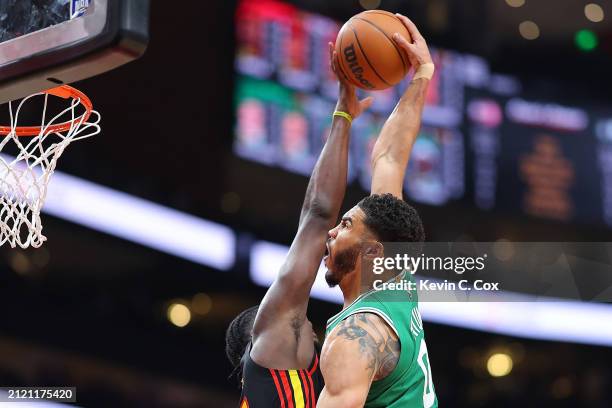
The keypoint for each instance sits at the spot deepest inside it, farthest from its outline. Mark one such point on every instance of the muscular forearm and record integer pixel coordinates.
(327, 184)
(401, 129)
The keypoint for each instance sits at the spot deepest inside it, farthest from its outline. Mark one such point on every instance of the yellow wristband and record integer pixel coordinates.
(344, 115)
(425, 71)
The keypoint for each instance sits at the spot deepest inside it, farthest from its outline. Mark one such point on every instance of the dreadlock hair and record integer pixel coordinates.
(392, 219)
(238, 336)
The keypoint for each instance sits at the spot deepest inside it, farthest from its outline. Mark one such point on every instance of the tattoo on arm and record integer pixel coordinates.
(378, 343)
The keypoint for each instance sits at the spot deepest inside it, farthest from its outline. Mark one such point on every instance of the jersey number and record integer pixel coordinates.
(429, 397)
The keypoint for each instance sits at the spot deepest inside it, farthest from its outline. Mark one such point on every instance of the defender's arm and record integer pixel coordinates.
(283, 309)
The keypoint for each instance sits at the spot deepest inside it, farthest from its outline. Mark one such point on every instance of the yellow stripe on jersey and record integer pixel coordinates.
(296, 384)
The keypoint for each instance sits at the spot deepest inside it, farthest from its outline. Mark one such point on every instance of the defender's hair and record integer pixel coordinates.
(238, 336)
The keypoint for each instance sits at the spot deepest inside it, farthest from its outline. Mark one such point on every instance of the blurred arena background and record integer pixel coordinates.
(189, 196)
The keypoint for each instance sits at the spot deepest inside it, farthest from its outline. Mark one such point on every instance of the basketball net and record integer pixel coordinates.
(28, 156)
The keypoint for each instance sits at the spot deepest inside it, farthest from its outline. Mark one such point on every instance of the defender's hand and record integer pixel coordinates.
(417, 51)
(347, 98)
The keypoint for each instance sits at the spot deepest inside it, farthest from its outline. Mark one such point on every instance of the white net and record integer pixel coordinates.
(28, 162)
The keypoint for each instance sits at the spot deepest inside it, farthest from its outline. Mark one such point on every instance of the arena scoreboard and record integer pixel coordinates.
(482, 143)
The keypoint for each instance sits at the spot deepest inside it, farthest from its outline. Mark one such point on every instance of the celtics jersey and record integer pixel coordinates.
(410, 384)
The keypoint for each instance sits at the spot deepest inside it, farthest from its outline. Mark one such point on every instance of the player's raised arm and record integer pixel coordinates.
(284, 305)
(392, 149)
(362, 349)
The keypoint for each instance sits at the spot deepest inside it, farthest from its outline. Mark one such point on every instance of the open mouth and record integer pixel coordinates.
(327, 252)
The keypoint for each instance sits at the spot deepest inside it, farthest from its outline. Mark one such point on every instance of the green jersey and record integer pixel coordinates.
(410, 384)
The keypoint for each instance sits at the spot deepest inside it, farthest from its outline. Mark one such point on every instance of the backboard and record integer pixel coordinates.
(45, 43)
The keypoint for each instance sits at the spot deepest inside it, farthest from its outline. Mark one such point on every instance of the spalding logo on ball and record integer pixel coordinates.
(368, 56)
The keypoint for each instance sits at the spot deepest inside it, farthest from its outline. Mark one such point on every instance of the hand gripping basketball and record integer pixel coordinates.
(347, 98)
(368, 55)
(417, 50)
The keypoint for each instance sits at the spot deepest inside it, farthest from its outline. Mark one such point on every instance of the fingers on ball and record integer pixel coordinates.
(402, 41)
(410, 26)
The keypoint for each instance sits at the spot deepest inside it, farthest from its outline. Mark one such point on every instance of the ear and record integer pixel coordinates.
(372, 249)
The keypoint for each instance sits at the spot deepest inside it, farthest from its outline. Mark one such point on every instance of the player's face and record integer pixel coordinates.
(344, 246)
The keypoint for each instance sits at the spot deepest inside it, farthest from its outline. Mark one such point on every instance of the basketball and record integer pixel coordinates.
(368, 56)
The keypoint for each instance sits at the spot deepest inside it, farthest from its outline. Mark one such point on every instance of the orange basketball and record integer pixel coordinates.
(367, 53)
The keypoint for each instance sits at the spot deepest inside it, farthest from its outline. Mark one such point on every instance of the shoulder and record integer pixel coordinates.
(372, 337)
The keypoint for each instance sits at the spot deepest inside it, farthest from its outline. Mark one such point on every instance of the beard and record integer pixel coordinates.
(343, 263)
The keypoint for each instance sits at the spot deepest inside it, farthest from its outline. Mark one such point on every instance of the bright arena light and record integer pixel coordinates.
(179, 314)
(594, 12)
(499, 364)
(141, 221)
(529, 30)
(515, 3)
(524, 316)
(586, 40)
(214, 245)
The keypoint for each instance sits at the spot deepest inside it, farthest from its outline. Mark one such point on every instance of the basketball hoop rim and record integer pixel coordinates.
(62, 91)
